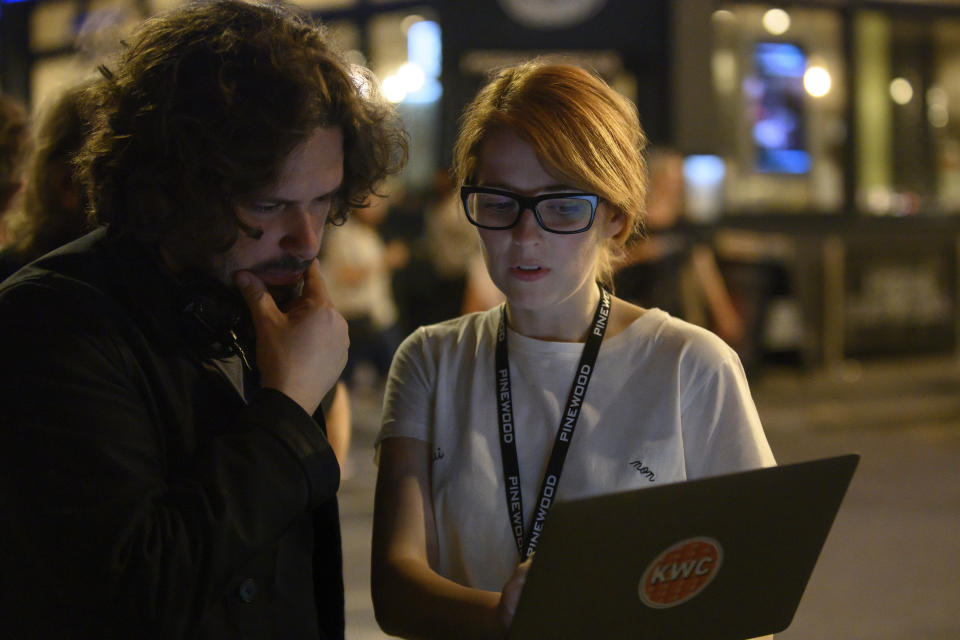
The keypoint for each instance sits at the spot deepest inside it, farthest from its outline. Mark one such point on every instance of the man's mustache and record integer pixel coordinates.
(286, 263)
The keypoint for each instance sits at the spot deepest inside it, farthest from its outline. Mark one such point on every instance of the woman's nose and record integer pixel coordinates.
(527, 228)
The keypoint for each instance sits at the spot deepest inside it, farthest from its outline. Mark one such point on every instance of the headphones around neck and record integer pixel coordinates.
(213, 318)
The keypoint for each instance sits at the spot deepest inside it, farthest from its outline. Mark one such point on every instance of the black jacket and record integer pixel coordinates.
(140, 495)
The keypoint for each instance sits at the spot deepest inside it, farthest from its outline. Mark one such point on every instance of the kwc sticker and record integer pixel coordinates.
(680, 572)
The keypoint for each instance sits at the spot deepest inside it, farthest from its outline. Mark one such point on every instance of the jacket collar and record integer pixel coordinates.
(191, 308)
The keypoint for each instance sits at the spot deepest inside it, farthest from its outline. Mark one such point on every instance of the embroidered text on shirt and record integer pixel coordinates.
(644, 470)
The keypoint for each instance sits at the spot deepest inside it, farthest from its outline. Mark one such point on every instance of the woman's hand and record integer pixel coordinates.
(511, 594)
(410, 599)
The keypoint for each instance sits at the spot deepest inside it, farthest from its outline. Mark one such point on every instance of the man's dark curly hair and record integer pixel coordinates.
(204, 105)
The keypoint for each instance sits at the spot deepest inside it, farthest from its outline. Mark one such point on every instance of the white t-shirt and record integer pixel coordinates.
(668, 401)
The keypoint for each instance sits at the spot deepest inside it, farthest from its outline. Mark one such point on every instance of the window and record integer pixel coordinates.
(908, 114)
(781, 101)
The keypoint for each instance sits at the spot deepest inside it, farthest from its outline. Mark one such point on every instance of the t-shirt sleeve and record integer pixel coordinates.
(410, 386)
(721, 428)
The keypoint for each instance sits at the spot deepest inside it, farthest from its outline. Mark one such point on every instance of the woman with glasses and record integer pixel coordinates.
(562, 392)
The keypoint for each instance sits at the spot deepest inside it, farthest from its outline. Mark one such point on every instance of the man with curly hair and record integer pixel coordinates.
(164, 469)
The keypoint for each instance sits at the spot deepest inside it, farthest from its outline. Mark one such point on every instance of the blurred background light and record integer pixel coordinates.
(423, 46)
(776, 21)
(901, 91)
(411, 76)
(937, 111)
(393, 89)
(723, 15)
(703, 170)
(817, 81)
(424, 57)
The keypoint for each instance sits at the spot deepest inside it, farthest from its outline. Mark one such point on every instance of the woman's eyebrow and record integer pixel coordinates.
(551, 188)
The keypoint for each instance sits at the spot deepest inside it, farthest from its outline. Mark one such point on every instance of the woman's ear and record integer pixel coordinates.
(616, 221)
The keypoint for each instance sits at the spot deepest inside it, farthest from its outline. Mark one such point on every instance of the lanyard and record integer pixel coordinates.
(568, 420)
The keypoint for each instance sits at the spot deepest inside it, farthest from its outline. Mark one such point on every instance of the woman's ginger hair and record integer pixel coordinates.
(582, 131)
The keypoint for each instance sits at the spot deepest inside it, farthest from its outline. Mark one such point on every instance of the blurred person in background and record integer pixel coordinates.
(358, 266)
(429, 288)
(454, 251)
(670, 268)
(550, 162)
(445, 276)
(52, 211)
(164, 468)
(14, 143)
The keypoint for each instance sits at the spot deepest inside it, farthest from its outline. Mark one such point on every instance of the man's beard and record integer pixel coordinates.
(283, 295)
(226, 266)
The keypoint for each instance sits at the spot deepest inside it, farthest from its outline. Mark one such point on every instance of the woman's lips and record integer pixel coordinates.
(528, 273)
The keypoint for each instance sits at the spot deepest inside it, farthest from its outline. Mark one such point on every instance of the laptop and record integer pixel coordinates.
(722, 558)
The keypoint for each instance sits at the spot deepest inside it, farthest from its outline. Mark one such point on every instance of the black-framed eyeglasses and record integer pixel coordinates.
(496, 209)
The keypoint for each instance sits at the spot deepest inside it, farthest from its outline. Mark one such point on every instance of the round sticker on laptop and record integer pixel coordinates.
(680, 572)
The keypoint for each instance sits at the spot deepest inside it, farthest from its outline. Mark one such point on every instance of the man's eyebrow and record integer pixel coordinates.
(265, 197)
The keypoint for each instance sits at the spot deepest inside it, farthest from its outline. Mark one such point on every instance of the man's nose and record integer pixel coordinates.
(303, 233)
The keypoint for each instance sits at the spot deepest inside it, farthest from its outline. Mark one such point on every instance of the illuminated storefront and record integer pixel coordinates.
(822, 137)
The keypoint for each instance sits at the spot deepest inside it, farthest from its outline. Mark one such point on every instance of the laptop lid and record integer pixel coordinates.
(725, 558)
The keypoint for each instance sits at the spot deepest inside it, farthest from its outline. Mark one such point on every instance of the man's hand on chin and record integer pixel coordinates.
(302, 343)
